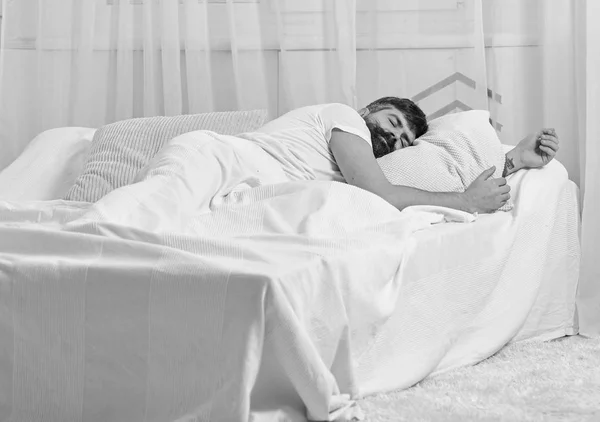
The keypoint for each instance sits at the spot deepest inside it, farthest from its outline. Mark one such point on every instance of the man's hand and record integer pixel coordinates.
(538, 149)
(485, 194)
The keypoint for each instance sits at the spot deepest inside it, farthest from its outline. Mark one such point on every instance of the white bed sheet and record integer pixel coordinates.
(139, 336)
(448, 246)
(530, 255)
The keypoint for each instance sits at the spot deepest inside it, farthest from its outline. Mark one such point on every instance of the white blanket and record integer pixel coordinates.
(284, 297)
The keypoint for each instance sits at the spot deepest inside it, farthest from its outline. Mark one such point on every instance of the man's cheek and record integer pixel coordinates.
(380, 148)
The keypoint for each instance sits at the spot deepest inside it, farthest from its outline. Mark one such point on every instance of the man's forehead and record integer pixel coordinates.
(392, 111)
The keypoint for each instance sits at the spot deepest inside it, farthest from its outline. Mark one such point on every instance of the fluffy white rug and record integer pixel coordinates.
(552, 381)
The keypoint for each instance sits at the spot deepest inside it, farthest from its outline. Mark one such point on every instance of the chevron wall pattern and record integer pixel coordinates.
(455, 105)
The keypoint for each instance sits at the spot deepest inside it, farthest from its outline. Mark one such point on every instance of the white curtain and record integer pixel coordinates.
(532, 63)
(588, 77)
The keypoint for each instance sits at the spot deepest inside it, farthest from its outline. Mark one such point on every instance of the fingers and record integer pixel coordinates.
(487, 173)
(550, 133)
(549, 142)
(548, 138)
(503, 194)
(547, 150)
(501, 181)
(546, 132)
(551, 136)
(504, 189)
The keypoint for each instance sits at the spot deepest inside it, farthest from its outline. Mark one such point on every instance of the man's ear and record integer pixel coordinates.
(364, 112)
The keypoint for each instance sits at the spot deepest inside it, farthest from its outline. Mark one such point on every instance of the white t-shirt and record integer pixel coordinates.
(299, 140)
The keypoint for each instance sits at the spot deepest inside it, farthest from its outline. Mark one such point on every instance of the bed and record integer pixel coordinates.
(264, 313)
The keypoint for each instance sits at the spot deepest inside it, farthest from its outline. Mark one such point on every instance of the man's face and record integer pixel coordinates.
(389, 131)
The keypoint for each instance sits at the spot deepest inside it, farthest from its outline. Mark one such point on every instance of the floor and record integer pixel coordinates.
(552, 381)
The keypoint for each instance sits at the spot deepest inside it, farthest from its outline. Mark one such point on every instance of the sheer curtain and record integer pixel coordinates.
(588, 77)
(532, 63)
(553, 78)
(91, 62)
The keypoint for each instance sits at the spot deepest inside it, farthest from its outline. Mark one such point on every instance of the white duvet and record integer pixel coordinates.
(286, 300)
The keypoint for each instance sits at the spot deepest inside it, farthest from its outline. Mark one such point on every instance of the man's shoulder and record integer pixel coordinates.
(325, 115)
(338, 107)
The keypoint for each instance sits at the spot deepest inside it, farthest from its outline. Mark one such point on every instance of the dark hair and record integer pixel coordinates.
(417, 120)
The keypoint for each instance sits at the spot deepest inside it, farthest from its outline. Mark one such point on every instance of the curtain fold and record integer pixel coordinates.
(123, 66)
(151, 75)
(82, 61)
(170, 56)
(589, 287)
(345, 47)
(532, 63)
(198, 61)
(479, 58)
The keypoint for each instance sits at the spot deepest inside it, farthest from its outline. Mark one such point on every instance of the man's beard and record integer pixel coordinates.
(379, 139)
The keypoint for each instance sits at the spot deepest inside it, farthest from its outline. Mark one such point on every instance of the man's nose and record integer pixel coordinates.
(393, 135)
(397, 137)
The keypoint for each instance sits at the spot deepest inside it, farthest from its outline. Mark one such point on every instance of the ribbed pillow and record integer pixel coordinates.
(456, 149)
(119, 150)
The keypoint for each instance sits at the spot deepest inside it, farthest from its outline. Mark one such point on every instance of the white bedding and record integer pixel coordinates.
(292, 295)
(48, 167)
(519, 271)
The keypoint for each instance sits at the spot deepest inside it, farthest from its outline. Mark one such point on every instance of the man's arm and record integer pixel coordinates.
(535, 151)
(358, 166)
(512, 164)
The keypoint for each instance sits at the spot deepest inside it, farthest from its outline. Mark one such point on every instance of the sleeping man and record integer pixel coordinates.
(330, 142)
(335, 142)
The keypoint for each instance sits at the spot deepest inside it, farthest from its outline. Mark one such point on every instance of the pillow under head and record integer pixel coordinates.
(456, 149)
(120, 150)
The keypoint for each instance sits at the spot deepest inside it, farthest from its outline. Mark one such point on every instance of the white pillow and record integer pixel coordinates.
(48, 166)
(456, 149)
